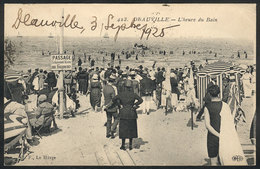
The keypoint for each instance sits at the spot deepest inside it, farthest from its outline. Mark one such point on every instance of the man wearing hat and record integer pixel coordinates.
(147, 87)
(43, 113)
(135, 83)
(51, 80)
(110, 92)
(95, 88)
(120, 83)
(159, 79)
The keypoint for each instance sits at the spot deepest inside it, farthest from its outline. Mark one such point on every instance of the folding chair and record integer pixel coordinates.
(46, 123)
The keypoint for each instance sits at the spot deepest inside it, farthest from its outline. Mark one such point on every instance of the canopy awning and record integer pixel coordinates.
(217, 68)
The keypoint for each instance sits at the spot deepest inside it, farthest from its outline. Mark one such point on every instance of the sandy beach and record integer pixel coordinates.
(162, 141)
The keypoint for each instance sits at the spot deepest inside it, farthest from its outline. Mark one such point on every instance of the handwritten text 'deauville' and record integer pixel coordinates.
(70, 22)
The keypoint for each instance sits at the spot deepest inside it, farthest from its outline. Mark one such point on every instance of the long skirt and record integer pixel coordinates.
(83, 86)
(127, 128)
(95, 98)
(174, 99)
(212, 145)
(247, 88)
(158, 95)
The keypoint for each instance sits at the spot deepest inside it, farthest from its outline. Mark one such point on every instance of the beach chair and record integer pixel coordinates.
(46, 126)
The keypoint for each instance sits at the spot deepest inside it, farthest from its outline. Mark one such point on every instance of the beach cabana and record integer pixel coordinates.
(11, 87)
(14, 125)
(216, 69)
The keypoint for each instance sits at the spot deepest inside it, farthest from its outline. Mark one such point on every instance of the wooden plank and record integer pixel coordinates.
(102, 158)
(112, 156)
(125, 158)
(136, 158)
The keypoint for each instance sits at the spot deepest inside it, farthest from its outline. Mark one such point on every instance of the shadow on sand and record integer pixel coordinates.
(138, 142)
(207, 160)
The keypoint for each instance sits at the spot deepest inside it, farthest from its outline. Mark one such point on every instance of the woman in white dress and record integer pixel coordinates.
(166, 93)
(246, 79)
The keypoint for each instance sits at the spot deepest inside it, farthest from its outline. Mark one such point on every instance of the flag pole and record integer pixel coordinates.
(60, 87)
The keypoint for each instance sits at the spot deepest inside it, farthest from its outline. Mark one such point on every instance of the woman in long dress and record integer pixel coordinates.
(42, 78)
(95, 88)
(174, 90)
(212, 121)
(166, 93)
(222, 138)
(246, 79)
(127, 114)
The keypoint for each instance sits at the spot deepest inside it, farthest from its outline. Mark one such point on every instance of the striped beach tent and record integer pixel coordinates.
(12, 76)
(218, 67)
(215, 69)
(11, 91)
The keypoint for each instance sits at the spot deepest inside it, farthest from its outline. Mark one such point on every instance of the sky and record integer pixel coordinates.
(236, 21)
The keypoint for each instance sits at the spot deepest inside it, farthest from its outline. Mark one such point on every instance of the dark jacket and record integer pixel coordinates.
(109, 94)
(121, 85)
(127, 100)
(135, 86)
(147, 86)
(83, 75)
(159, 77)
(174, 85)
(51, 79)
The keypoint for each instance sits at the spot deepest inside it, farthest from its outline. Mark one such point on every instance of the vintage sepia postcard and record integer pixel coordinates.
(129, 84)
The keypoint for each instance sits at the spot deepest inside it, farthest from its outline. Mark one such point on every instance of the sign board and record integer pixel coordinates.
(61, 62)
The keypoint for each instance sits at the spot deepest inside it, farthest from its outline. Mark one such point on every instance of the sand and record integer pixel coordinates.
(162, 140)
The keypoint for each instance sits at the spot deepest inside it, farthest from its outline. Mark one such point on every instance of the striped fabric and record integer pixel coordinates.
(215, 69)
(12, 76)
(218, 67)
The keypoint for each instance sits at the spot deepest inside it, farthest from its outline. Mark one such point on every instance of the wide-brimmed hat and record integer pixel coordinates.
(132, 73)
(42, 98)
(112, 77)
(172, 74)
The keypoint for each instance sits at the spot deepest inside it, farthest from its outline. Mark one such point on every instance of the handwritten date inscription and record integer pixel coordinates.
(72, 23)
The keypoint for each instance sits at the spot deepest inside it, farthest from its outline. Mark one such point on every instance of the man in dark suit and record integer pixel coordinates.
(51, 80)
(110, 92)
(159, 79)
(121, 83)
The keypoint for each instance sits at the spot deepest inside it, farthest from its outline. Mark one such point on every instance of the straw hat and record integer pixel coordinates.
(132, 73)
(112, 77)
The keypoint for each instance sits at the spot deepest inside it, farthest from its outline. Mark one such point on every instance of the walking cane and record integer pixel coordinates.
(191, 110)
(191, 118)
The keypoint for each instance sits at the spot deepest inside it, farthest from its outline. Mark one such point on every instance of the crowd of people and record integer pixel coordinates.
(108, 87)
